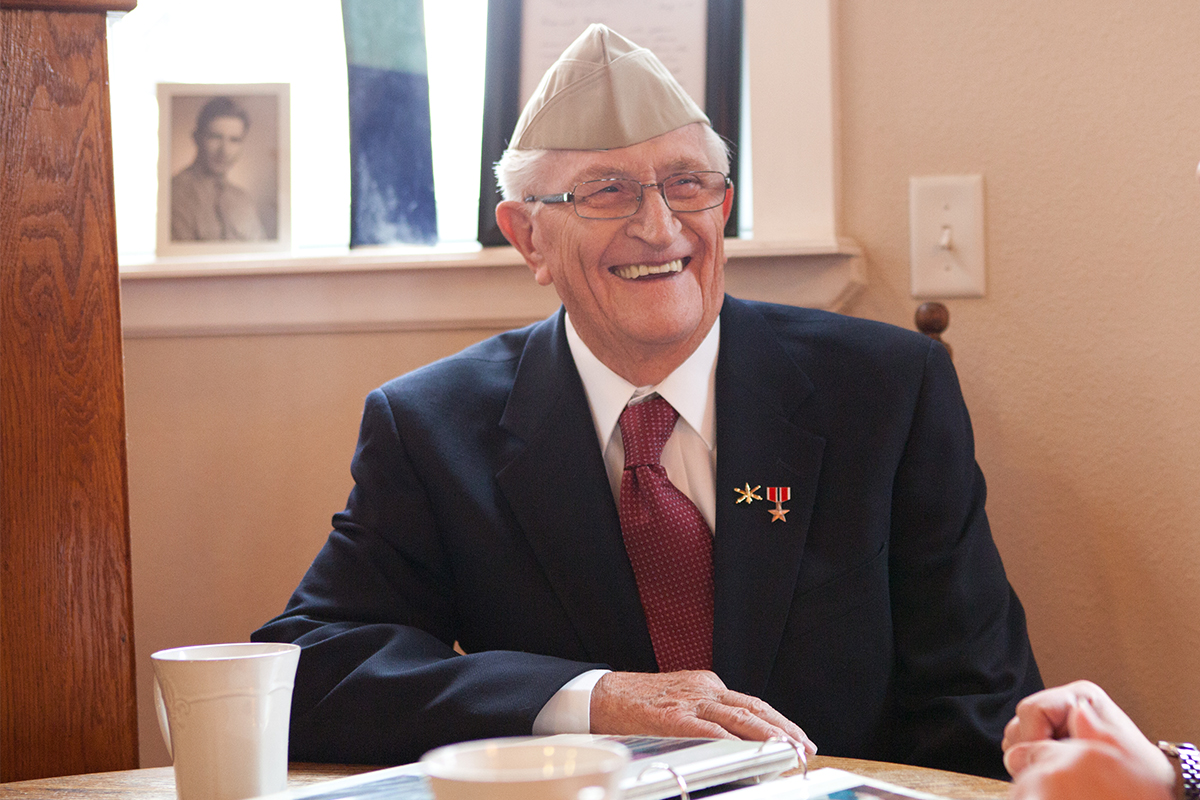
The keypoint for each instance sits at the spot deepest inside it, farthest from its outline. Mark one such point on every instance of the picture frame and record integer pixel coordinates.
(224, 169)
(722, 71)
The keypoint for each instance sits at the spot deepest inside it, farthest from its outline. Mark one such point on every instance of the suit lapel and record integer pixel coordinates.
(756, 560)
(558, 490)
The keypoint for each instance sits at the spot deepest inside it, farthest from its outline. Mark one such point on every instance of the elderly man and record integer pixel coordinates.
(662, 510)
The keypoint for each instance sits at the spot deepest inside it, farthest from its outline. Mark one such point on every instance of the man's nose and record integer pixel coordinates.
(654, 220)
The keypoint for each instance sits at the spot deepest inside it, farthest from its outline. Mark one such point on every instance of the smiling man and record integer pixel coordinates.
(638, 264)
(662, 510)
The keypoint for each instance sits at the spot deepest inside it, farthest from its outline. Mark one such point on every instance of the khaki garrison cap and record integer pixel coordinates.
(604, 92)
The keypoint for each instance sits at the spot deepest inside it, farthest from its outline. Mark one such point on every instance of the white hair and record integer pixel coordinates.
(518, 171)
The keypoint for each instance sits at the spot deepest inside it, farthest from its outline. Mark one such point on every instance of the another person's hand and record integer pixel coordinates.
(1102, 753)
(688, 703)
(1080, 769)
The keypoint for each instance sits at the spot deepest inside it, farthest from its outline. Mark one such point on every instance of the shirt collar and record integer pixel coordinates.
(689, 388)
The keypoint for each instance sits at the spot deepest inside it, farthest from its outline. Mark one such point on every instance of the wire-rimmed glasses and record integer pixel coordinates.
(616, 198)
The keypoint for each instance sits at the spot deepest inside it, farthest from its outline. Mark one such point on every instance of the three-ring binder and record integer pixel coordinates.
(801, 756)
(679, 781)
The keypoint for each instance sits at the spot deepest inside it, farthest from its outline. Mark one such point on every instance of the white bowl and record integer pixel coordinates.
(527, 768)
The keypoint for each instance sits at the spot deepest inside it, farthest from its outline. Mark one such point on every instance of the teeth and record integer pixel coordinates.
(640, 270)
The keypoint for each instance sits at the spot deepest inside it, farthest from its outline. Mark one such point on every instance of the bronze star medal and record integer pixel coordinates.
(747, 495)
(779, 495)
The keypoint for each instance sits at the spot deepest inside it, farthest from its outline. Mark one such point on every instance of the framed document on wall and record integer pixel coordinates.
(700, 41)
(223, 168)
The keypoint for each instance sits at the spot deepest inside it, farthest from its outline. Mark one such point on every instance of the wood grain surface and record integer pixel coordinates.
(67, 702)
(71, 5)
(159, 783)
(934, 781)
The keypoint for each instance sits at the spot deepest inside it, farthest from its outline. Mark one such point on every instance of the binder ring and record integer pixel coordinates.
(801, 756)
(679, 781)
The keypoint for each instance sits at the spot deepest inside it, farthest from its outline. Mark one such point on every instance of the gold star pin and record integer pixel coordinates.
(779, 513)
(747, 494)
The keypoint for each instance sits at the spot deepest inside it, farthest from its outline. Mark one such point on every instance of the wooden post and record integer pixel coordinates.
(67, 699)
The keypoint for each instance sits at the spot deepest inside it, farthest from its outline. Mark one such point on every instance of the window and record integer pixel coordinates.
(788, 104)
(297, 42)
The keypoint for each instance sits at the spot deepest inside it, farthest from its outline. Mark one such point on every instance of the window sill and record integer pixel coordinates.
(423, 289)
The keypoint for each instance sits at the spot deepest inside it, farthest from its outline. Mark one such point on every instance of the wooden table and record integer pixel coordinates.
(158, 783)
(934, 781)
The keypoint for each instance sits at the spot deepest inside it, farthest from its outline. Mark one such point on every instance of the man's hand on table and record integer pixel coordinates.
(1073, 741)
(687, 703)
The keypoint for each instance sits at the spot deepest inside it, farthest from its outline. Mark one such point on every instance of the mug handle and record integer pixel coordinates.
(161, 707)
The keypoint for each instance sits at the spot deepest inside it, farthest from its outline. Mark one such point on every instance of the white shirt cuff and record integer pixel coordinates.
(569, 710)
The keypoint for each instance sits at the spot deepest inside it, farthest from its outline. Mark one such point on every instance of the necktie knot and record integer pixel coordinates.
(645, 428)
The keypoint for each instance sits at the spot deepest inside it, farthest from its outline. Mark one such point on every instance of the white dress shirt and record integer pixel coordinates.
(689, 457)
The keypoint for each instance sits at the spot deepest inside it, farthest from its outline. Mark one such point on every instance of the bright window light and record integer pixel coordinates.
(298, 42)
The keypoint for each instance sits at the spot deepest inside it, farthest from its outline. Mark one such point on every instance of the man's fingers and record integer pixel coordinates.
(1084, 723)
(694, 726)
(750, 718)
(1011, 733)
(1085, 769)
(1044, 717)
(686, 704)
(1018, 757)
(1048, 714)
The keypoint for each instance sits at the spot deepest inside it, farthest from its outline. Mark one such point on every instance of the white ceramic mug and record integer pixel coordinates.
(224, 711)
(566, 767)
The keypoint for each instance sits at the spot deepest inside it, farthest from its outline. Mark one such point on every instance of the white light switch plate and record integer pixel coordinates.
(946, 235)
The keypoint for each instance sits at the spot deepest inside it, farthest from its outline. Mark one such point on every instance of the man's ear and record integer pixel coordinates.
(727, 204)
(517, 226)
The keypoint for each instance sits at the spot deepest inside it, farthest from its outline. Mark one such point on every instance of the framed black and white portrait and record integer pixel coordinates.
(224, 168)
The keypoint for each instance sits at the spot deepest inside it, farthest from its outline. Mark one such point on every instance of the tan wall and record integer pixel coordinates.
(239, 454)
(1081, 365)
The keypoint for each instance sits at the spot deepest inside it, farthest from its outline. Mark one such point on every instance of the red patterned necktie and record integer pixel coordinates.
(668, 542)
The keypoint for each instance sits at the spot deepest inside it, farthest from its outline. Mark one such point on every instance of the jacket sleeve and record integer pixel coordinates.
(962, 650)
(379, 680)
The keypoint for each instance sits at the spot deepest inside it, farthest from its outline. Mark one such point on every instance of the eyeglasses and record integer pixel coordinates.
(616, 198)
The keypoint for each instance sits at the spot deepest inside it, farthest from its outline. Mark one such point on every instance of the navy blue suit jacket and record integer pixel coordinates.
(877, 617)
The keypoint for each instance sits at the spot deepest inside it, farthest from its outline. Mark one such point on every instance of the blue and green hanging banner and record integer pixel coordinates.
(391, 153)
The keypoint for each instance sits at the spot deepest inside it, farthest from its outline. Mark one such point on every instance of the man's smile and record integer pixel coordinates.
(635, 271)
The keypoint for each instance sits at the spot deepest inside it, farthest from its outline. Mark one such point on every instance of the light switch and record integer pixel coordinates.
(946, 235)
